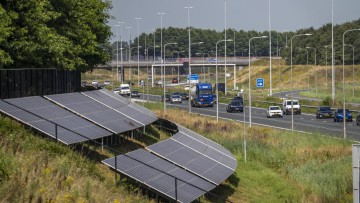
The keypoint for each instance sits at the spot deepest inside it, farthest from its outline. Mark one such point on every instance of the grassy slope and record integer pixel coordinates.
(281, 166)
(35, 169)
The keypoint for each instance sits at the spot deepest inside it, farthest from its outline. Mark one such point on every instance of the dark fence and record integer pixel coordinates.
(16, 83)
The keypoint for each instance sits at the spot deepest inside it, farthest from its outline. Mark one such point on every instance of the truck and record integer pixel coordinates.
(287, 107)
(125, 89)
(201, 95)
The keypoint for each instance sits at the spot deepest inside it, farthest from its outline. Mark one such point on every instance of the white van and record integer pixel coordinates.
(287, 107)
(125, 89)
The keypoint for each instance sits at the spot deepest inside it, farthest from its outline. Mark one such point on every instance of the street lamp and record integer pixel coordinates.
(292, 101)
(161, 44)
(216, 83)
(138, 61)
(353, 78)
(250, 74)
(178, 58)
(128, 28)
(344, 113)
(174, 43)
(326, 73)
(117, 48)
(316, 90)
(130, 60)
(195, 43)
(270, 90)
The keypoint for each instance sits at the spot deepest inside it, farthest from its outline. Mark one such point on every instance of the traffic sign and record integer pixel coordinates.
(194, 78)
(259, 82)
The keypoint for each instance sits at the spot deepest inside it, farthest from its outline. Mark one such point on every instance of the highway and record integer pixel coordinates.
(303, 123)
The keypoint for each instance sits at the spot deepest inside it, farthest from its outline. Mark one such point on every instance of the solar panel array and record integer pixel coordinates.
(43, 115)
(205, 146)
(95, 112)
(160, 175)
(123, 106)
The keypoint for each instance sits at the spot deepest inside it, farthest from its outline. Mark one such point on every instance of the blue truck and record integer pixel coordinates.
(201, 95)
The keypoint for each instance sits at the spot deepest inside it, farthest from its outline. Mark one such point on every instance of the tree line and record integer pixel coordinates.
(281, 43)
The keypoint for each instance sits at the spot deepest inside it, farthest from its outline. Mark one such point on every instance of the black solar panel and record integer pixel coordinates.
(37, 112)
(204, 140)
(191, 160)
(96, 112)
(160, 175)
(206, 150)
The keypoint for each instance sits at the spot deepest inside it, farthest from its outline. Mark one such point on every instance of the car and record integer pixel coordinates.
(176, 93)
(135, 93)
(184, 96)
(159, 82)
(167, 97)
(175, 99)
(273, 111)
(187, 87)
(235, 106)
(287, 107)
(95, 82)
(358, 119)
(107, 82)
(116, 90)
(83, 83)
(175, 80)
(324, 112)
(339, 115)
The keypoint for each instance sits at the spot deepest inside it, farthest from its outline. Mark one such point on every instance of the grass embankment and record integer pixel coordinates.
(281, 166)
(36, 169)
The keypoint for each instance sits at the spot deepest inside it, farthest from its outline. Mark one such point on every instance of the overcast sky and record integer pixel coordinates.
(240, 14)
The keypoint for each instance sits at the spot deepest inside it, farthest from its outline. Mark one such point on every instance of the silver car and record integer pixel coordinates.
(273, 111)
(175, 99)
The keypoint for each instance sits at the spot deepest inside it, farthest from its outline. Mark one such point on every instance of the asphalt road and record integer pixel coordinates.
(304, 122)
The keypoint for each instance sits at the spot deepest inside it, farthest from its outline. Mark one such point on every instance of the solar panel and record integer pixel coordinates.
(191, 160)
(206, 150)
(43, 115)
(95, 112)
(160, 175)
(204, 140)
(120, 106)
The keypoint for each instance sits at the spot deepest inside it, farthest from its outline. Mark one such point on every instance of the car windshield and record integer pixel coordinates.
(176, 93)
(235, 103)
(341, 111)
(183, 94)
(205, 92)
(135, 92)
(325, 108)
(125, 88)
(274, 108)
(294, 103)
(176, 96)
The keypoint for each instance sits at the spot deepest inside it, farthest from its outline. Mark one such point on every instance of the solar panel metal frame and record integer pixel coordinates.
(159, 181)
(92, 115)
(60, 129)
(186, 158)
(108, 101)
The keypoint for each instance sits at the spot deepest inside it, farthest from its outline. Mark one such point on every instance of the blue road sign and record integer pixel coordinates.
(259, 82)
(194, 78)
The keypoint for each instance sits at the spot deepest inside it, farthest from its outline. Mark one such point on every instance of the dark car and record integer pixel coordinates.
(135, 93)
(184, 96)
(167, 97)
(235, 105)
(358, 119)
(339, 115)
(324, 112)
(175, 80)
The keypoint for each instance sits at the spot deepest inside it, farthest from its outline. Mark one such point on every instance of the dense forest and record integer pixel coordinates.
(281, 41)
(62, 34)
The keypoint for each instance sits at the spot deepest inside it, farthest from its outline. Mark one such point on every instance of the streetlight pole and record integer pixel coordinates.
(138, 62)
(130, 60)
(326, 72)
(161, 43)
(315, 78)
(344, 110)
(174, 43)
(353, 70)
(189, 58)
(225, 8)
(216, 83)
(250, 74)
(307, 67)
(128, 28)
(270, 93)
(117, 52)
(292, 100)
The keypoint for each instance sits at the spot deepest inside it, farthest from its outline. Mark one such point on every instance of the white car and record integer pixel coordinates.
(116, 90)
(94, 82)
(187, 87)
(175, 99)
(273, 111)
(107, 82)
